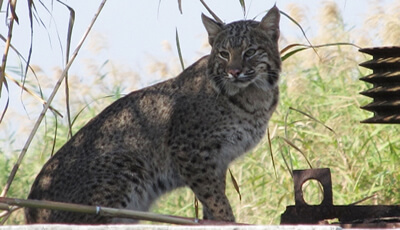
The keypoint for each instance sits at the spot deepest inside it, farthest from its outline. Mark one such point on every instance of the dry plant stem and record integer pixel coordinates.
(196, 207)
(68, 48)
(211, 12)
(49, 101)
(22, 86)
(290, 143)
(180, 5)
(6, 48)
(365, 199)
(270, 151)
(103, 211)
(33, 94)
(6, 214)
(341, 149)
(178, 46)
(4, 207)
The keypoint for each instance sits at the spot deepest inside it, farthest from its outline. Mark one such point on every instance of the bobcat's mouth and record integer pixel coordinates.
(242, 78)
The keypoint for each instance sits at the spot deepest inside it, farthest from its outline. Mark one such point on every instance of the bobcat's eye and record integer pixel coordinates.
(224, 55)
(249, 53)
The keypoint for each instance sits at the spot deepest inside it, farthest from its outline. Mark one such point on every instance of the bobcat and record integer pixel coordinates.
(181, 132)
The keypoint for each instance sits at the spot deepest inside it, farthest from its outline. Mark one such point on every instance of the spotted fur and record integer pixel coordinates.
(181, 132)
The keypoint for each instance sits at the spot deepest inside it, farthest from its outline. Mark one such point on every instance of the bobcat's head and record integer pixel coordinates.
(244, 53)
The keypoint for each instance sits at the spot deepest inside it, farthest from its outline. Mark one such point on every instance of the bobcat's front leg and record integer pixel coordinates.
(207, 181)
(217, 209)
(207, 215)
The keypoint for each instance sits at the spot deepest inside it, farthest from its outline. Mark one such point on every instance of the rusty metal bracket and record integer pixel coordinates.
(322, 175)
(345, 215)
(303, 213)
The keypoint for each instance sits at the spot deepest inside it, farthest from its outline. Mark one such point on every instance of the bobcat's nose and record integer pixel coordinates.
(235, 72)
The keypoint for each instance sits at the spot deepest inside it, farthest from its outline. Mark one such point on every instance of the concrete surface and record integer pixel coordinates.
(166, 227)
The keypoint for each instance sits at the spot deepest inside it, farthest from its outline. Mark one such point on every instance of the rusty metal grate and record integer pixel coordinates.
(386, 84)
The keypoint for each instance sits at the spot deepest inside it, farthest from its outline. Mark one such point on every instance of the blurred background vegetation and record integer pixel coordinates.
(319, 113)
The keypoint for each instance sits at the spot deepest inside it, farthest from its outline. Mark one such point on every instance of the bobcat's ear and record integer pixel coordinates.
(270, 23)
(212, 27)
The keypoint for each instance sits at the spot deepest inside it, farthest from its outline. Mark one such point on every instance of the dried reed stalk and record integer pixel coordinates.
(13, 17)
(49, 101)
(103, 211)
(211, 12)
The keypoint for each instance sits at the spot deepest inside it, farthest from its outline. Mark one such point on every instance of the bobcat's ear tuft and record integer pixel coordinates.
(270, 23)
(212, 27)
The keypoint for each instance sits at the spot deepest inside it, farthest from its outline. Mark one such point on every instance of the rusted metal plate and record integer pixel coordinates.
(382, 106)
(322, 175)
(383, 91)
(301, 212)
(382, 51)
(382, 63)
(347, 216)
(385, 78)
(388, 119)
